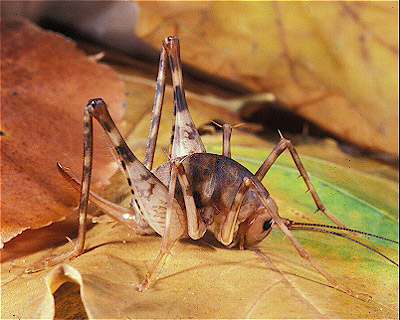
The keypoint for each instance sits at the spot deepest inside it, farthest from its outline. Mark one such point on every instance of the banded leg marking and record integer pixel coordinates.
(119, 213)
(152, 193)
(186, 139)
(157, 109)
(79, 245)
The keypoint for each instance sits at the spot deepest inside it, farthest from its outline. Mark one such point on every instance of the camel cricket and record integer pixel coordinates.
(194, 190)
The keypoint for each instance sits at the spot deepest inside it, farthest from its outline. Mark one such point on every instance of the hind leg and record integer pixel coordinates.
(185, 138)
(156, 114)
(83, 203)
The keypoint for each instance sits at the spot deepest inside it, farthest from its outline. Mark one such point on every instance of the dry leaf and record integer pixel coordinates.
(203, 279)
(335, 63)
(46, 82)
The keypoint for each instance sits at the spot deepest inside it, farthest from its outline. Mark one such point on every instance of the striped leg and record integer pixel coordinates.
(156, 115)
(282, 146)
(152, 193)
(224, 231)
(119, 213)
(185, 137)
(156, 202)
(83, 203)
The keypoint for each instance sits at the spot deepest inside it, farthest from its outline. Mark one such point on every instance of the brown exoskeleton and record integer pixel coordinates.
(193, 191)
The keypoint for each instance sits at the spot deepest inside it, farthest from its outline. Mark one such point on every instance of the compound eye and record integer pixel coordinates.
(267, 224)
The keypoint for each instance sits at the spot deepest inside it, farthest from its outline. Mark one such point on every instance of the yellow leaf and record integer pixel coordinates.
(203, 279)
(334, 63)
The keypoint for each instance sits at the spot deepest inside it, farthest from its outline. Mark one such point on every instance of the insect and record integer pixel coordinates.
(194, 190)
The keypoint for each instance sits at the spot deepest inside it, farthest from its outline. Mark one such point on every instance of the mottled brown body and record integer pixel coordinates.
(214, 181)
(193, 191)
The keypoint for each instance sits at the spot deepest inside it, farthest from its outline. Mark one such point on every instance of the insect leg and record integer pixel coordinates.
(186, 139)
(156, 115)
(158, 204)
(170, 235)
(119, 213)
(225, 232)
(150, 193)
(196, 225)
(260, 192)
(83, 203)
(276, 152)
(172, 135)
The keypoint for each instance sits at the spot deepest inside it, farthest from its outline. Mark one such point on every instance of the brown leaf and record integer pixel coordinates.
(203, 279)
(335, 63)
(46, 82)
